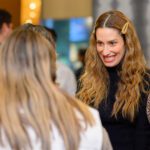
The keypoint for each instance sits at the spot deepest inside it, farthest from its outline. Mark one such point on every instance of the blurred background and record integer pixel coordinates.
(73, 21)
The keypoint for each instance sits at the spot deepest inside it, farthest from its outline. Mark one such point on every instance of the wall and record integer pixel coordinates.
(55, 9)
(62, 9)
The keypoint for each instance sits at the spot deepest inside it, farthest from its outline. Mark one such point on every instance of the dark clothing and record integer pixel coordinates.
(79, 72)
(124, 134)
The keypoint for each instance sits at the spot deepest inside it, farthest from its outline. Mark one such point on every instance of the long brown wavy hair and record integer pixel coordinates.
(29, 97)
(95, 80)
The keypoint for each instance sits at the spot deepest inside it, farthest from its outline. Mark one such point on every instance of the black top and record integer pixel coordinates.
(124, 134)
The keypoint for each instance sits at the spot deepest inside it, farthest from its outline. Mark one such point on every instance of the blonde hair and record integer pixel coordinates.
(95, 80)
(28, 96)
(43, 32)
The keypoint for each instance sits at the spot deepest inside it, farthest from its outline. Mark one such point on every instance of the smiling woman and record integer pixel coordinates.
(110, 46)
(116, 81)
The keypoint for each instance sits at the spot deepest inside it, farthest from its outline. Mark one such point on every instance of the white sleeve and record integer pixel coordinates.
(106, 141)
(92, 138)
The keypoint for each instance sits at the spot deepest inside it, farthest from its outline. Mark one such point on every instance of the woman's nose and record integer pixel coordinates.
(105, 50)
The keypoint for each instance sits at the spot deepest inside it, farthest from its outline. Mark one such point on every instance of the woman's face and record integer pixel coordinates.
(110, 46)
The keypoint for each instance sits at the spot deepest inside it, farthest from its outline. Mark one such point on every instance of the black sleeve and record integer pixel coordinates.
(142, 135)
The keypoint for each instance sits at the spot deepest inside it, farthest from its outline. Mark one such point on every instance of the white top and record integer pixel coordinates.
(66, 79)
(91, 139)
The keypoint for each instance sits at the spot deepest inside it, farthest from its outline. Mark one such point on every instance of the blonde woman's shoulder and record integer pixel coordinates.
(106, 141)
(92, 138)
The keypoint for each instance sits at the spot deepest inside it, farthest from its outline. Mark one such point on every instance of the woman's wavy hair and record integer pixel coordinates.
(29, 97)
(95, 80)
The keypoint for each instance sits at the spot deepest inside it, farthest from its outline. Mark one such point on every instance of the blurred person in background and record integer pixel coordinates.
(81, 59)
(5, 24)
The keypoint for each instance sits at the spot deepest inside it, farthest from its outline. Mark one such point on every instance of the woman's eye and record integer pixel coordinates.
(113, 43)
(99, 43)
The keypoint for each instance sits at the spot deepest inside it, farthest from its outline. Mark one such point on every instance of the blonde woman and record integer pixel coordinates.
(34, 113)
(116, 81)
